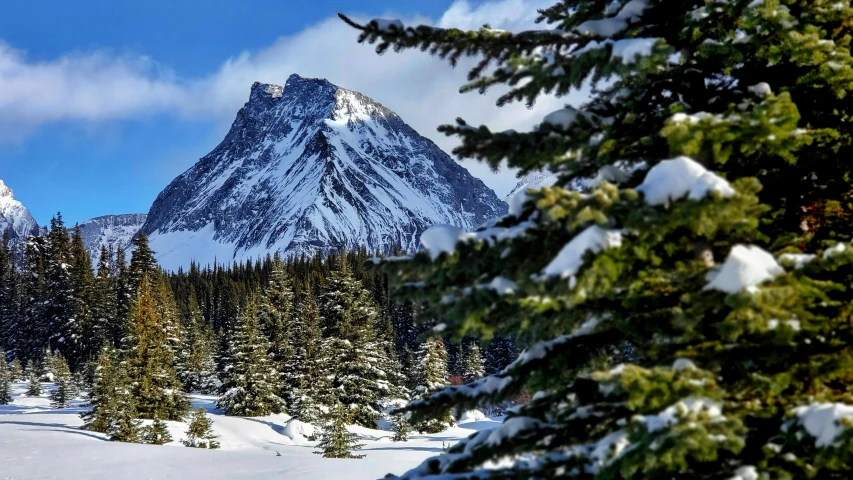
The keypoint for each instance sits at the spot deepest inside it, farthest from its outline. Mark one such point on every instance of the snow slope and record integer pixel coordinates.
(313, 167)
(15, 218)
(39, 443)
(111, 231)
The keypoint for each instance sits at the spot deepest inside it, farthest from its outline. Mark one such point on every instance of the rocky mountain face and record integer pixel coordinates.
(112, 231)
(15, 218)
(313, 167)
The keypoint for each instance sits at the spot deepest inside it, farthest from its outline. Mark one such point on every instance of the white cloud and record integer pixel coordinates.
(98, 86)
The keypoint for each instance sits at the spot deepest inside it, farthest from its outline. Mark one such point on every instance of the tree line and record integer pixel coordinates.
(309, 336)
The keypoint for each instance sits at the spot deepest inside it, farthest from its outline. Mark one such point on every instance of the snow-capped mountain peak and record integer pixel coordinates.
(14, 217)
(310, 167)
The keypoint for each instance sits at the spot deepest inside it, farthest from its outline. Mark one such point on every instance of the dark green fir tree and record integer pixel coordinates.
(5, 380)
(251, 380)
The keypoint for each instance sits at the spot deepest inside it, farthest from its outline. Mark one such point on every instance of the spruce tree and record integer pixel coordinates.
(156, 434)
(472, 363)
(15, 370)
(432, 376)
(150, 360)
(711, 237)
(124, 424)
(336, 441)
(277, 324)
(352, 353)
(33, 383)
(82, 336)
(251, 386)
(401, 427)
(63, 390)
(59, 304)
(311, 384)
(196, 367)
(200, 431)
(103, 397)
(104, 305)
(142, 263)
(5, 380)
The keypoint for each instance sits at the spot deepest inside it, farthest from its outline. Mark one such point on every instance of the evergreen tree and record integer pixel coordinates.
(124, 424)
(200, 431)
(150, 360)
(250, 388)
(124, 295)
(157, 433)
(9, 310)
(472, 364)
(63, 391)
(103, 397)
(59, 301)
(15, 370)
(5, 380)
(196, 367)
(352, 352)
(432, 376)
(310, 383)
(104, 306)
(81, 335)
(142, 263)
(33, 383)
(336, 441)
(34, 330)
(401, 427)
(713, 242)
(277, 324)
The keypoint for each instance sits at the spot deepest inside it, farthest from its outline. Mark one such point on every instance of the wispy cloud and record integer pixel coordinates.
(94, 87)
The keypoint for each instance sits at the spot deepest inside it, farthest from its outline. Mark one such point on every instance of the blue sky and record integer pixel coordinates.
(102, 103)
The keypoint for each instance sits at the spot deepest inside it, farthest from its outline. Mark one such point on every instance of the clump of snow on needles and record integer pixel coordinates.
(822, 421)
(747, 472)
(298, 431)
(440, 239)
(798, 260)
(607, 27)
(570, 258)
(745, 268)
(675, 178)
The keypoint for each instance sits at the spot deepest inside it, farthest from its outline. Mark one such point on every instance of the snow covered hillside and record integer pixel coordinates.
(313, 167)
(38, 442)
(111, 231)
(14, 217)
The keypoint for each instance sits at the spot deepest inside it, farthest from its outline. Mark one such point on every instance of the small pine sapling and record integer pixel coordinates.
(401, 426)
(200, 432)
(34, 384)
(336, 441)
(157, 433)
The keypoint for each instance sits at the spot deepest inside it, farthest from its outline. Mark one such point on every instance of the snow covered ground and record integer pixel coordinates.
(38, 442)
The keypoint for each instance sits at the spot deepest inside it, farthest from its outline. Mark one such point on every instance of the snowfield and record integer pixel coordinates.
(38, 442)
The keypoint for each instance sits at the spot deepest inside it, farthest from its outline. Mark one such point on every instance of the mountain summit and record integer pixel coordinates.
(313, 167)
(15, 218)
